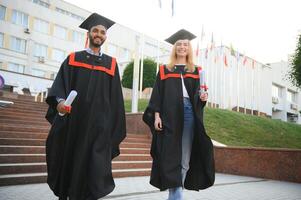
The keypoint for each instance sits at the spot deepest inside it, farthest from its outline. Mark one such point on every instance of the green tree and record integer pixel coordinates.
(149, 74)
(295, 73)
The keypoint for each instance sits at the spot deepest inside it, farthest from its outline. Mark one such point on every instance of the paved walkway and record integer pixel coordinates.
(227, 187)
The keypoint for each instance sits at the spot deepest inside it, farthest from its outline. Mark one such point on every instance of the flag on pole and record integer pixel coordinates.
(225, 61)
(212, 42)
(197, 52)
(202, 34)
(232, 50)
(245, 60)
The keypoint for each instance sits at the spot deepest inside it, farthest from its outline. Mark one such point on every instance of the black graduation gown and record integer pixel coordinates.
(81, 145)
(166, 147)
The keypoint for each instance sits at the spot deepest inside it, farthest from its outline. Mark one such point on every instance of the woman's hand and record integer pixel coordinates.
(204, 96)
(158, 122)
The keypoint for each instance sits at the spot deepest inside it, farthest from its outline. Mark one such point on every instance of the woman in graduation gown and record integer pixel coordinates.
(182, 152)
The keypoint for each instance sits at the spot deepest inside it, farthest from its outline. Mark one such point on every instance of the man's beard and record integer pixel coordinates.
(96, 45)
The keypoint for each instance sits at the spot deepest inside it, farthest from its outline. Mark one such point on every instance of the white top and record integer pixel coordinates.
(185, 93)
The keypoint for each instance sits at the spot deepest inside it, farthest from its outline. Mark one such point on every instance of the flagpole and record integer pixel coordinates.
(225, 63)
(231, 84)
(212, 79)
(259, 89)
(141, 68)
(217, 103)
(158, 50)
(201, 42)
(245, 84)
(237, 60)
(136, 76)
(222, 78)
(252, 85)
(208, 65)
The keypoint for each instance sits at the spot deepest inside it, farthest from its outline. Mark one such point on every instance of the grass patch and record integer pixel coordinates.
(237, 129)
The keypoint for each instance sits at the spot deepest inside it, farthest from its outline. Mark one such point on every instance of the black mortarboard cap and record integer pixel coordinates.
(95, 19)
(180, 35)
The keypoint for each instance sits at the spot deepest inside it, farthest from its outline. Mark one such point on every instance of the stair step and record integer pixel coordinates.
(25, 135)
(17, 179)
(23, 107)
(41, 142)
(10, 111)
(22, 158)
(21, 117)
(21, 168)
(24, 128)
(130, 138)
(28, 178)
(37, 158)
(40, 122)
(10, 149)
(25, 142)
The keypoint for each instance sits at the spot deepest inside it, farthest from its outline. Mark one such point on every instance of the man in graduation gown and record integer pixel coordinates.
(166, 147)
(82, 142)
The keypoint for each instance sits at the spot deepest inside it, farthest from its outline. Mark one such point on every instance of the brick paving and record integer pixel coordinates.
(227, 187)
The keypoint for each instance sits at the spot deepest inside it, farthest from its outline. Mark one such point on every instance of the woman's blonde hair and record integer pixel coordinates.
(189, 58)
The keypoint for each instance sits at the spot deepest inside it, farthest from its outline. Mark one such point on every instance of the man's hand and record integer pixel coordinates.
(204, 96)
(61, 108)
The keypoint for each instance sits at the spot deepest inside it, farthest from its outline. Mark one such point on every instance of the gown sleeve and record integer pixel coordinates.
(118, 123)
(59, 88)
(154, 103)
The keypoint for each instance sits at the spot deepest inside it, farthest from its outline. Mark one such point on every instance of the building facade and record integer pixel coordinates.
(240, 83)
(286, 98)
(37, 35)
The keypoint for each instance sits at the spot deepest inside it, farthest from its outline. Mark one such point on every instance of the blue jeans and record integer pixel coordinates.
(187, 138)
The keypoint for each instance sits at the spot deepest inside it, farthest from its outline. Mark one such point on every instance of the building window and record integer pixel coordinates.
(77, 37)
(40, 50)
(58, 55)
(20, 18)
(65, 12)
(112, 50)
(1, 39)
(38, 72)
(18, 44)
(15, 67)
(291, 97)
(2, 12)
(276, 91)
(40, 26)
(124, 55)
(60, 32)
(150, 49)
(41, 3)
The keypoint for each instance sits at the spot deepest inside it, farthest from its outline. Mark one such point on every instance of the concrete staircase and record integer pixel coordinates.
(23, 132)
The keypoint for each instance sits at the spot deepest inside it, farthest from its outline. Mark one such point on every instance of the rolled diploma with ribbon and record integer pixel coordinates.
(69, 100)
(203, 86)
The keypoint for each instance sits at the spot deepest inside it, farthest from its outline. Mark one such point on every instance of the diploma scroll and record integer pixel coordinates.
(203, 86)
(69, 100)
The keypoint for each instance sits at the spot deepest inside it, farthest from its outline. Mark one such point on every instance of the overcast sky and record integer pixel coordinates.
(265, 30)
